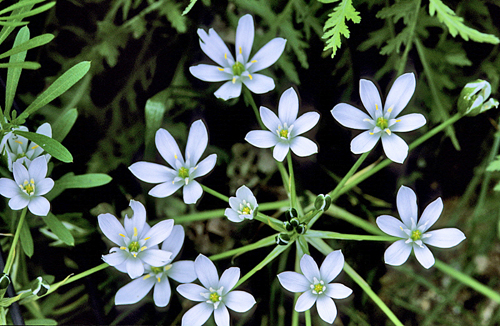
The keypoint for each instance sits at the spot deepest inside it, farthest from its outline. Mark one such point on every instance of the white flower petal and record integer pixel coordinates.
(394, 147)
(205, 166)
(268, 54)
(326, 308)
(229, 279)
(309, 268)
(210, 73)
(424, 255)
(19, 202)
(39, 206)
(400, 94)
(9, 188)
(192, 192)
(192, 291)
(182, 271)
(337, 291)
(294, 282)
(391, 226)
(115, 258)
(245, 193)
(229, 90)
(244, 36)
(408, 122)
(111, 228)
(167, 147)
(174, 241)
(221, 315)
(305, 301)
(280, 151)
(214, 47)
(269, 118)
(397, 253)
(134, 291)
(197, 142)
(232, 215)
(331, 266)
(370, 97)
(261, 138)
(38, 169)
(259, 84)
(304, 123)
(197, 315)
(239, 301)
(162, 292)
(151, 172)
(288, 106)
(138, 220)
(444, 238)
(431, 214)
(303, 147)
(44, 186)
(165, 189)
(135, 267)
(364, 142)
(206, 272)
(351, 117)
(406, 201)
(159, 232)
(20, 173)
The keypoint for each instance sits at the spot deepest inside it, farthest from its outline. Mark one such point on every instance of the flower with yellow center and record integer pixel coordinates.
(414, 235)
(157, 277)
(243, 206)
(183, 172)
(241, 69)
(214, 295)
(28, 187)
(315, 283)
(137, 242)
(381, 122)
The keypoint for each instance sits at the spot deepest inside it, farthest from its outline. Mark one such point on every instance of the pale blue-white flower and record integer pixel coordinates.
(414, 232)
(137, 241)
(184, 171)
(157, 277)
(20, 149)
(243, 69)
(215, 295)
(381, 122)
(285, 129)
(243, 206)
(315, 283)
(28, 187)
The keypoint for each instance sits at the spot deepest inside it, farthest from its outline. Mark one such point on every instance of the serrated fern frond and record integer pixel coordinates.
(336, 24)
(455, 24)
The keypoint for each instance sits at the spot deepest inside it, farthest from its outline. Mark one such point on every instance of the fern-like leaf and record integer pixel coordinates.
(336, 24)
(455, 24)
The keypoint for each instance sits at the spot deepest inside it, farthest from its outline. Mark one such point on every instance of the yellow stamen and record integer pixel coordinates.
(220, 69)
(159, 279)
(390, 110)
(366, 120)
(388, 131)
(250, 76)
(398, 120)
(146, 277)
(123, 248)
(240, 49)
(175, 156)
(147, 238)
(371, 133)
(225, 56)
(376, 107)
(135, 254)
(143, 248)
(18, 141)
(121, 235)
(253, 61)
(234, 80)
(135, 231)
(35, 147)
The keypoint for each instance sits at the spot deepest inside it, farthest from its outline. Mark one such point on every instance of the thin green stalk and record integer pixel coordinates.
(81, 275)
(284, 176)
(341, 213)
(487, 176)
(368, 173)
(274, 223)
(269, 258)
(215, 193)
(12, 251)
(467, 280)
(293, 194)
(325, 249)
(199, 216)
(343, 236)
(267, 241)
(247, 96)
(412, 25)
(336, 191)
(308, 317)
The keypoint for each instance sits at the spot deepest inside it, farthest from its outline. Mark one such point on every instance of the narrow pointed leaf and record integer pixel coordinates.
(27, 44)
(58, 228)
(26, 240)
(50, 145)
(62, 126)
(13, 73)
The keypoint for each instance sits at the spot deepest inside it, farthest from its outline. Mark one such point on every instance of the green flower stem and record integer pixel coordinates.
(467, 280)
(274, 223)
(293, 194)
(12, 251)
(247, 96)
(325, 249)
(267, 241)
(363, 175)
(270, 257)
(342, 236)
(412, 25)
(284, 177)
(215, 193)
(295, 313)
(336, 192)
(200, 216)
(308, 317)
(338, 212)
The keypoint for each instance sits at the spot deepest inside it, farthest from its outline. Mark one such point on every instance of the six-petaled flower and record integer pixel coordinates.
(243, 206)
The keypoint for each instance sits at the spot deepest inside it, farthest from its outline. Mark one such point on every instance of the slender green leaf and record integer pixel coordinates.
(72, 181)
(13, 24)
(26, 240)
(50, 145)
(33, 12)
(13, 73)
(7, 29)
(5, 302)
(189, 7)
(62, 126)
(336, 26)
(20, 4)
(23, 45)
(24, 65)
(58, 87)
(58, 228)
(41, 321)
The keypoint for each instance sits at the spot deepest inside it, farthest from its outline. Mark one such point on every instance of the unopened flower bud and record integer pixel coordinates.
(291, 213)
(472, 99)
(282, 239)
(322, 202)
(40, 287)
(4, 281)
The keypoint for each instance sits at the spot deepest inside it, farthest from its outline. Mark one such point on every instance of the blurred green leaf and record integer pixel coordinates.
(50, 145)
(62, 126)
(189, 7)
(58, 228)
(154, 111)
(26, 240)
(41, 321)
(24, 65)
(72, 181)
(13, 73)
(23, 44)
